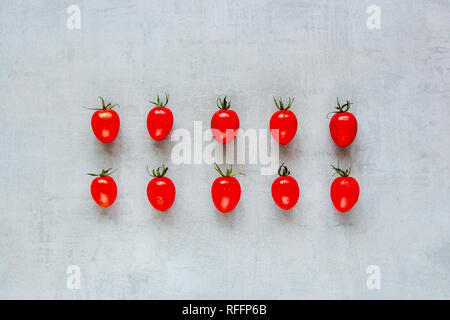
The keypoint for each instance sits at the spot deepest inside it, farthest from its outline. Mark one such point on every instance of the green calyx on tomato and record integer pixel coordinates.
(228, 173)
(283, 171)
(107, 106)
(280, 105)
(342, 108)
(223, 104)
(158, 172)
(104, 173)
(342, 173)
(159, 102)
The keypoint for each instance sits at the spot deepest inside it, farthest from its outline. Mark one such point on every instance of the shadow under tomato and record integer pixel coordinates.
(288, 217)
(163, 146)
(109, 213)
(346, 219)
(227, 219)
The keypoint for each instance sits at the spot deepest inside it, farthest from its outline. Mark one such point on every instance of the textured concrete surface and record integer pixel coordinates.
(397, 76)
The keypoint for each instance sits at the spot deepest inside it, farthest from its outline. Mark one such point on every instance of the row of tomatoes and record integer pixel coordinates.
(226, 189)
(224, 122)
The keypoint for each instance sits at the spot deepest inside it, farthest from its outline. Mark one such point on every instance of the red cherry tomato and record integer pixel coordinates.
(343, 125)
(104, 188)
(283, 123)
(224, 122)
(226, 191)
(344, 191)
(160, 119)
(105, 122)
(285, 190)
(160, 190)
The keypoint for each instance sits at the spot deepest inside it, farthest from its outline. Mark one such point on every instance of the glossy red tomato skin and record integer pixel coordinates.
(286, 123)
(159, 122)
(161, 193)
(343, 128)
(285, 192)
(226, 192)
(224, 125)
(344, 193)
(104, 191)
(105, 124)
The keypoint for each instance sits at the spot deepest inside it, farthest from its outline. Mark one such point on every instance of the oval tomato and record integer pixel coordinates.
(344, 190)
(104, 188)
(160, 190)
(105, 122)
(226, 191)
(283, 123)
(285, 190)
(159, 119)
(343, 125)
(224, 122)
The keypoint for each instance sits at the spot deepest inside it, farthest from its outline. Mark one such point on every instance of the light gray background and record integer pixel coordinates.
(127, 51)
